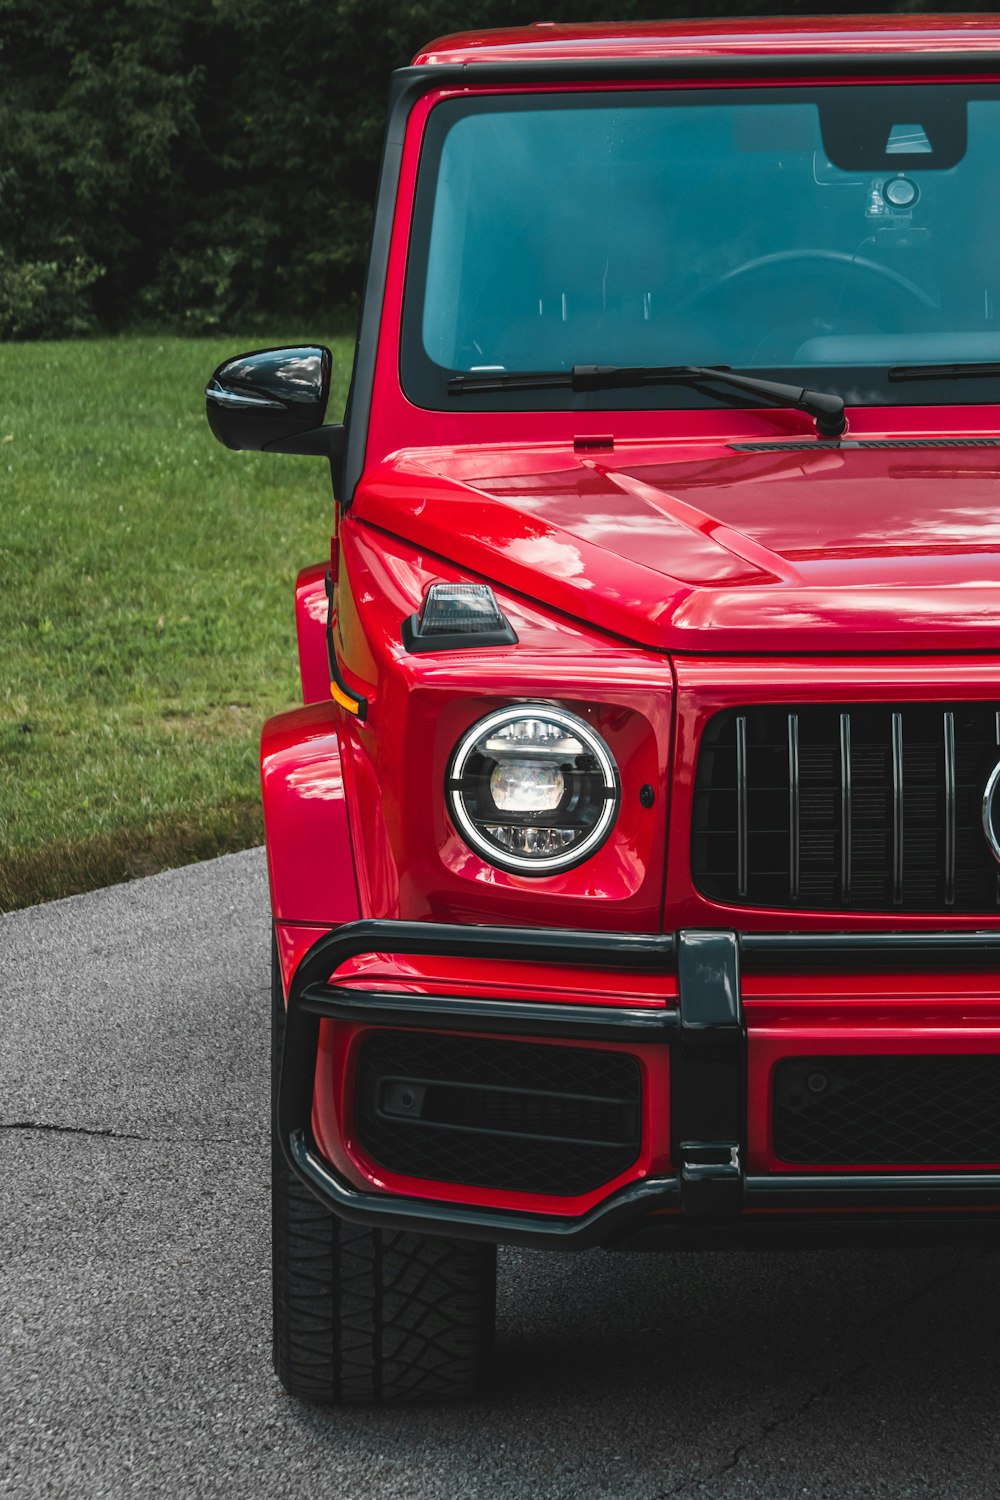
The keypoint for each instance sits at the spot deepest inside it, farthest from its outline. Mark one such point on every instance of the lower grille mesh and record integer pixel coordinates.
(511, 1115)
(885, 1111)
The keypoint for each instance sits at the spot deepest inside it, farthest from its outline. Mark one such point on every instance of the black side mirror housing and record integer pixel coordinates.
(274, 401)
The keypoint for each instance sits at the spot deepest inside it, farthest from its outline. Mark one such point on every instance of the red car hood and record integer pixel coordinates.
(821, 549)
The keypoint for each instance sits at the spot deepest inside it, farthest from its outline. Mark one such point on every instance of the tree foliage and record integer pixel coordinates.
(196, 164)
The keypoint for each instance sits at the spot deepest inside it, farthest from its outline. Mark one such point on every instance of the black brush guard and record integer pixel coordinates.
(708, 1198)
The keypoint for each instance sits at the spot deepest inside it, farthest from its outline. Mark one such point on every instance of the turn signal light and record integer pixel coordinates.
(458, 616)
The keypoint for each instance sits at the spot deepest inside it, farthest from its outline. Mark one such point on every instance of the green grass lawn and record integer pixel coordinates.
(146, 613)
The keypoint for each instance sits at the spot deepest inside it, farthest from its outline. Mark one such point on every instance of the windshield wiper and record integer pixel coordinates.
(827, 411)
(944, 372)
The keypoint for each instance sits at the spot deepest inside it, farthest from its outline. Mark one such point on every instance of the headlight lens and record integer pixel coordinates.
(533, 789)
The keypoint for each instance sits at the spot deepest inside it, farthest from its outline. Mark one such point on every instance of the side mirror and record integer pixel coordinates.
(274, 400)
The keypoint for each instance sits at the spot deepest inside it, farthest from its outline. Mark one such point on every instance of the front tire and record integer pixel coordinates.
(369, 1316)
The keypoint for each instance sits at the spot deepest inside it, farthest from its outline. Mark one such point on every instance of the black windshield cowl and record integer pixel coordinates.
(826, 410)
(972, 371)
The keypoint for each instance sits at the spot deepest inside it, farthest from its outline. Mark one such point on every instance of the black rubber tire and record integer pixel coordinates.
(370, 1316)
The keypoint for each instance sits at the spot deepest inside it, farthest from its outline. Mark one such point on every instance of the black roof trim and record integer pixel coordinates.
(715, 65)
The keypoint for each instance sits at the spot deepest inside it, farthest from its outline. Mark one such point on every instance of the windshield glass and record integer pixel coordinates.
(819, 235)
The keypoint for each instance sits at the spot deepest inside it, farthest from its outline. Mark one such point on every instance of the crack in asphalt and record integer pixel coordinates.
(45, 1128)
(761, 1436)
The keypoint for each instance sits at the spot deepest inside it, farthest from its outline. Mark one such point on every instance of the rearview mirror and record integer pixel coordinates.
(274, 400)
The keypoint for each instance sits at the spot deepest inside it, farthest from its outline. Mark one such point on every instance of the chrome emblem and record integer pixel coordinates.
(989, 816)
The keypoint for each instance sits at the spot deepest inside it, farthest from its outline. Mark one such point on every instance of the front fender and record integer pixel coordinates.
(309, 858)
(311, 608)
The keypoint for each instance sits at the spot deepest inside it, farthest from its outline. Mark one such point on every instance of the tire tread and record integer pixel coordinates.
(368, 1316)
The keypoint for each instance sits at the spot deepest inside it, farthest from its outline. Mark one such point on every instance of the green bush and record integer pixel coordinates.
(46, 298)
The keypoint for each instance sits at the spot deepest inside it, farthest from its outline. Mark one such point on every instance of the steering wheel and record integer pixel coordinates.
(841, 259)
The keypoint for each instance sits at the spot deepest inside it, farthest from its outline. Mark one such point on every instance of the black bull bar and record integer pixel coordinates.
(708, 1197)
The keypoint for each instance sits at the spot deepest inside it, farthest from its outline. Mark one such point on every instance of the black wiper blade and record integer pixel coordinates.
(944, 372)
(826, 410)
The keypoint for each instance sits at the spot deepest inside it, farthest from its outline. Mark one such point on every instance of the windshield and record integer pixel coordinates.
(819, 235)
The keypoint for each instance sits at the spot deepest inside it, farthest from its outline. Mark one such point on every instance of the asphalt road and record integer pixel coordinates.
(134, 1281)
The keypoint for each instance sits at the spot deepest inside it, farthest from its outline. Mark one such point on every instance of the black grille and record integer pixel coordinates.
(886, 1111)
(494, 1114)
(847, 808)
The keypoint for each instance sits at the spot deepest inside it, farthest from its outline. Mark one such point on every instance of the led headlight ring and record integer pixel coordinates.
(533, 752)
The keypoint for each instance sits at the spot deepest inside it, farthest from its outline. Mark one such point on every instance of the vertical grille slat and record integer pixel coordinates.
(897, 808)
(794, 805)
(849, 807)
(949, 808)
(742, 813)
(845, 807)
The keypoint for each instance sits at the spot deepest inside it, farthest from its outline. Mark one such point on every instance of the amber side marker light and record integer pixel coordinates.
(339, 691)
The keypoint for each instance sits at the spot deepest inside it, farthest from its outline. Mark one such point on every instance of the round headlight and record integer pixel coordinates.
(533, 789)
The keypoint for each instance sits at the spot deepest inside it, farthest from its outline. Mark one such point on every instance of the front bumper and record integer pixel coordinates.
(708, 1197)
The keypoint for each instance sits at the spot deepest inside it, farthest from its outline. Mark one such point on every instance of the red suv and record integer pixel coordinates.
(635, 858)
